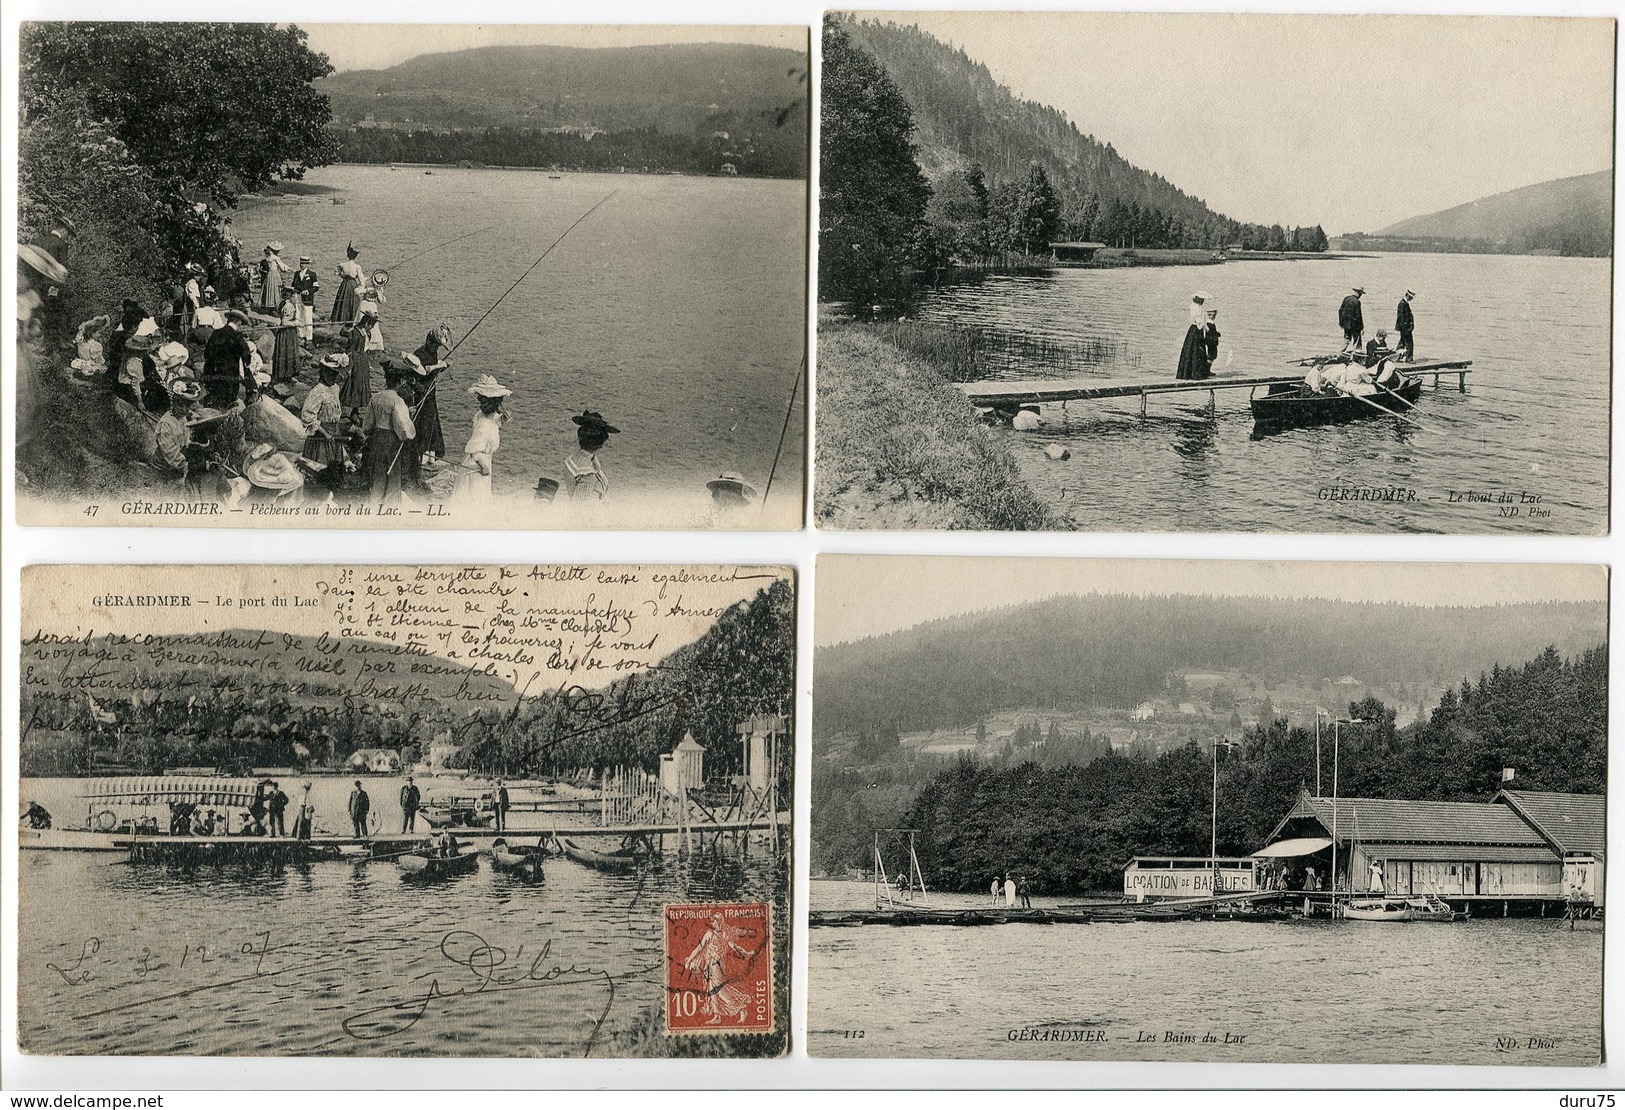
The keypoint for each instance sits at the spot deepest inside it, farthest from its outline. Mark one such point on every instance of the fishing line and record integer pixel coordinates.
(436, 383)
(437, 246)
(795, 388)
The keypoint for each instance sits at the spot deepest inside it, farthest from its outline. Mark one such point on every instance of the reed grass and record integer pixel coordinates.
(962, 354)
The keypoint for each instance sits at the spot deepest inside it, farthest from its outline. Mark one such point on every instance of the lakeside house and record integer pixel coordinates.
(378, 761)
(1522, 846)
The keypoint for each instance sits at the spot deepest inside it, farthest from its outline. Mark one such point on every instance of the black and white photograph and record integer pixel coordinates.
(412, 275)
(1214, 273)
(1216, 812)
(405, 811)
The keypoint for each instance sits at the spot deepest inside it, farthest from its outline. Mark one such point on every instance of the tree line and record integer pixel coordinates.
(882, 219)
(1074, 826)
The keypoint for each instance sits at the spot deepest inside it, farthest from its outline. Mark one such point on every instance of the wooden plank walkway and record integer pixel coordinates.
(1037, 391)
(1076, 913)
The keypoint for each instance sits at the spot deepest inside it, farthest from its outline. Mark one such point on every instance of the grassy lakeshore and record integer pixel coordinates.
(899, 447)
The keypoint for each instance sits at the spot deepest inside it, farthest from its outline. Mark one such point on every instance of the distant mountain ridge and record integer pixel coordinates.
(1568, 215)
(1116, 650)
(963, 115)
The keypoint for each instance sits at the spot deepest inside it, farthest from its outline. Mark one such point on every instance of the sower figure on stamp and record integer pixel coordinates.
(723, 997)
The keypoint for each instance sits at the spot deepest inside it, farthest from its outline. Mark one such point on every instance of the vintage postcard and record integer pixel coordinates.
(515, 811)
(413, 276)
(1071, 809)
(1162, 272)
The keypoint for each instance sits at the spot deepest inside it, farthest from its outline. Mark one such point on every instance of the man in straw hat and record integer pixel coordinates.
(305, 286)
(173, 437)
(1352, 320)
(586, 474)
(1405, 325)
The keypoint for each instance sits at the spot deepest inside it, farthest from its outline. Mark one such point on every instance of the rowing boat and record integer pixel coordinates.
(1292, 405)
(518, 859)
(622, 860)
(426, 865)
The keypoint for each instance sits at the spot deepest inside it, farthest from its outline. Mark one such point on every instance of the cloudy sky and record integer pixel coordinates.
(870, 595)
(377, 46)
(1352, 122)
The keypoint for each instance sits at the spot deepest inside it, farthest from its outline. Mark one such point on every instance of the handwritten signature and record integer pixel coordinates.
(494, 970)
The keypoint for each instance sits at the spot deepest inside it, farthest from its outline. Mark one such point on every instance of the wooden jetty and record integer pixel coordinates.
(1037, 391)
(1076, 913)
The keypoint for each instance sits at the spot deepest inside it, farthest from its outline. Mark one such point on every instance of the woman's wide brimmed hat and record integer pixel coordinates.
(147, 326)
(42, 262)
(590, 419)
(274, 246)
(274, 472)
(731, 484)
(186, 389)
(546, 488)
(413, 363)
(171, 355)
(143, 341)
(487, 386)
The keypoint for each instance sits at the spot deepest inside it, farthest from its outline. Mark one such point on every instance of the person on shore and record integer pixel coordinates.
(226, 358)
(387, 426)
(305, 286)
(323, 417)
(435, 357)
(1024, 891)
(501, 807)
(1376, 882)
(1010, 890)
(474, 477)
(192, 299)
(1200, 349)
(411, 799)
(285, 340)
(586, 473)
(138, 368)
(1405, 325)
(360, 808)
(37, 816)
(1352, 320)
(347, 303)
(208, 318)
(272, 273)
(357, 392)
(172, 455)
(277, 807)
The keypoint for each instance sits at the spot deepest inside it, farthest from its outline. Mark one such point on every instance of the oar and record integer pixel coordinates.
(1385, 411)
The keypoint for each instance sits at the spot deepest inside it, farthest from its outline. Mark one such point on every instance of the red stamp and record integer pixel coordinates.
(719, 968)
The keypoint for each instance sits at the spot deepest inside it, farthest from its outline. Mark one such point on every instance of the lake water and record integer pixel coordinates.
(178, 963)
(1534, 418)
(677, 310)
(1296, 991)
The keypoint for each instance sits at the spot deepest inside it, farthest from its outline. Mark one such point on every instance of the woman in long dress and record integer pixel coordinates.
(474, 477)
(1200, 349)
(387, 425)
(285, 355)
(357, 392)
(272, 268)
(323, 417)
(434, 356)
(347, 304)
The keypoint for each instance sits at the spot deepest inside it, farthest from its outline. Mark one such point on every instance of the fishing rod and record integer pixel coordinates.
(1389, 412)
(436, 383)
(395, 265)
(795, 388)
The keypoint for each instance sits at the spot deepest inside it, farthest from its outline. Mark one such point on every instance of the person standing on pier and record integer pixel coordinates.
(1200, 349)
(307, 816)
(305, 286)
(411, 798)
(277, 806)
(1352, 320)
(502, 807)
(1405, 325)
(360, 807)
(1010, 890)
(997, 889)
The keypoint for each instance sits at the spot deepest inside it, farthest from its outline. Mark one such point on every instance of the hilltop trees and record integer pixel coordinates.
(872, 195)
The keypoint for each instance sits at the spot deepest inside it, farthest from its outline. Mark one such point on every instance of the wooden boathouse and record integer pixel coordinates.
(1074, 254)
(1523, 850)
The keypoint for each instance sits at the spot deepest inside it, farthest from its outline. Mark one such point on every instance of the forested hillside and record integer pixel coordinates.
(1073, 828)
(1571, 216)
(1116, 651)
(966, 121)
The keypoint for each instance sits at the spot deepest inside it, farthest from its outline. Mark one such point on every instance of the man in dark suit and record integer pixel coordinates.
(501, 806)
(411, 797)
(305, 285)
(360, 807)
(1352, 320)
(1405, 325)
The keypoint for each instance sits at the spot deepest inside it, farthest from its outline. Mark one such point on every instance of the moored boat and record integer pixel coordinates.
(1293, 405)
(427, 864)
(622, 860)
(1376, 909)
(522, 860)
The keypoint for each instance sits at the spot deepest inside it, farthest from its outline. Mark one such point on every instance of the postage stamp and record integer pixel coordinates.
(719, 968)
